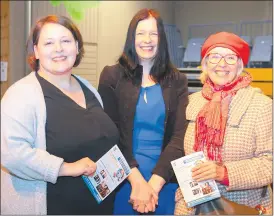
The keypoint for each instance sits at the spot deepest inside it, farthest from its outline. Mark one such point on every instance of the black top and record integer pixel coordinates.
(120, 96)
(73, 133)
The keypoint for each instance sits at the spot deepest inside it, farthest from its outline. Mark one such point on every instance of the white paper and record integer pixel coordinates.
(194, 192)
(112, 170)
(4, 71)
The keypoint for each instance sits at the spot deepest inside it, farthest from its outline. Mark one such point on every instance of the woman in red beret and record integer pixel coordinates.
(231, 122)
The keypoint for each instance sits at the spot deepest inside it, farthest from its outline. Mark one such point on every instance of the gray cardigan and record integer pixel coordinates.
(26, 166)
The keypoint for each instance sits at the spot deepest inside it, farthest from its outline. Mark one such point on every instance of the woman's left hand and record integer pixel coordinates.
(156, 182)
(208, 170)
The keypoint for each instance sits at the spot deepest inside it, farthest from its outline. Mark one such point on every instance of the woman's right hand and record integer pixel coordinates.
(84, 166)
(142, 197)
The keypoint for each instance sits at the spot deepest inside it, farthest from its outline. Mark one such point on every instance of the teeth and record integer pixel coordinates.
(147, 48)
(222, 73)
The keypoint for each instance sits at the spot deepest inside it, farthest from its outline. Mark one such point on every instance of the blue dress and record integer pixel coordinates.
(147, 146)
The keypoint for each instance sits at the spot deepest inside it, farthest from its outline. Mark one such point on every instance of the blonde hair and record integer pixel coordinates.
(203, 76)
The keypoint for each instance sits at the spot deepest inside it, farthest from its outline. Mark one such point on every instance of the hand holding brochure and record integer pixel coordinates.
(112, 169)
(194, 192)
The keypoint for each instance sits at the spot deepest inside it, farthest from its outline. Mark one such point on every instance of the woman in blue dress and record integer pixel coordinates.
(146, 97)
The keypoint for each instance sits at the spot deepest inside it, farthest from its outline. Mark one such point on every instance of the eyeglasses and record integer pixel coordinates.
(215, 58)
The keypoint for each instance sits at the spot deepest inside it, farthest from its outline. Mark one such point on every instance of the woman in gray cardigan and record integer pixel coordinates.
(53, 129)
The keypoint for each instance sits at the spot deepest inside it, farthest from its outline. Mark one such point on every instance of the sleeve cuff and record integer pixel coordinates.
(53, 169)
(225, 181)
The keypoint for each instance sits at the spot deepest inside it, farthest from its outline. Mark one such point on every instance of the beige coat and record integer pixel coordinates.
(246, 151)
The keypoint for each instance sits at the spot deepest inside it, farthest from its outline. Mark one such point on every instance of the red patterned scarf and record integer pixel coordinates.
(211, 120)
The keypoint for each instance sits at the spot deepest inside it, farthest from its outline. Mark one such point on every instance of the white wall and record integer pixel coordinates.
(114, 18)
(207, 12)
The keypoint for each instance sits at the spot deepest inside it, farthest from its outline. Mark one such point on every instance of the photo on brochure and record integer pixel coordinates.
(112, 169)
(194, 192)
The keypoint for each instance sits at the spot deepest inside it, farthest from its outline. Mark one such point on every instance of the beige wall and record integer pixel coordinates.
(17, 46)
(114, 18)
(113, 21)
(206, 12)
(88, 28)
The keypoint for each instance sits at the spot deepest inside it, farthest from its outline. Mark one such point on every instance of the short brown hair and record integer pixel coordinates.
(35, 34)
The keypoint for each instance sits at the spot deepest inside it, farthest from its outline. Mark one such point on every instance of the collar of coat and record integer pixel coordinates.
(237, 107)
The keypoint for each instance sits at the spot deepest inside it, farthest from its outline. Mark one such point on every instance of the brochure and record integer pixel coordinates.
(194, 192)
(112, 169)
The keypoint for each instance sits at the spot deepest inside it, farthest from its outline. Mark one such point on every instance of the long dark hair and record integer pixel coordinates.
(162, 66)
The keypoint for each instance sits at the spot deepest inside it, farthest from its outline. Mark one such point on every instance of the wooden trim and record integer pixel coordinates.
(5, 19)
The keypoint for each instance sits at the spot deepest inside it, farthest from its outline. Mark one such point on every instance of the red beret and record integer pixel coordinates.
(227, 40)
